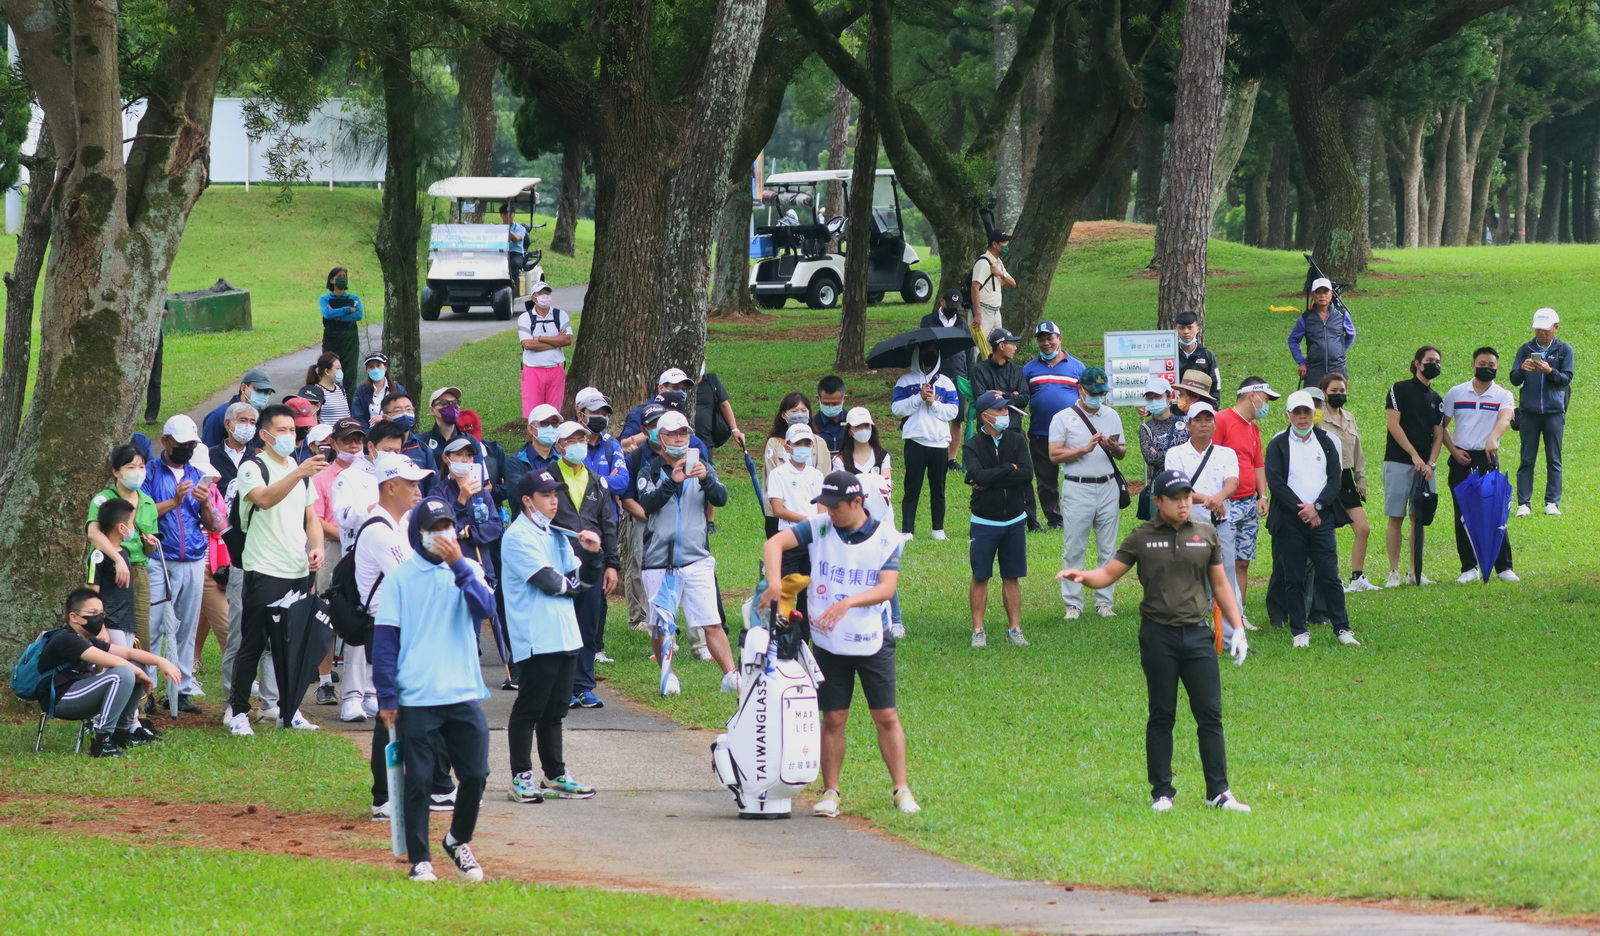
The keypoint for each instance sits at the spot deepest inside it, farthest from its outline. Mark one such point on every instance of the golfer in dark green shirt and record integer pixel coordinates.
(1180, 567)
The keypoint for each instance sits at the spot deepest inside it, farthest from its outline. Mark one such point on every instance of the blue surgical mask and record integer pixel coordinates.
(1156, 407)
(802, 454)
(376, 374)
(1190, 343)
(654, 439)
(1261, 413)
(338, 378)
(243, 433)
(1002, 422)
(796, 418)
(576, 453)
(831, 411)
(259, 400)
(1094, 400)
(405, 421)
(283, 445)
(678, 451)
(546, 435)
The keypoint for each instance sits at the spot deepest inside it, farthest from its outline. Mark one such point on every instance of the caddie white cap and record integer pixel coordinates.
(181, 430)
(1198, 407)
(1546, 318)
(797, 433)
(1321, 282)
(1298, 399)
(673, 376)
(671, 421)
(543, 413)
(391, 465)
(1158, 386)
(435, 395)
(318, 433)
(569, 429)
(858, 416)
(591, 399)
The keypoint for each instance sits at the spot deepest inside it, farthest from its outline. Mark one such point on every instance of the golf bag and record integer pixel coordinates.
(773, 746)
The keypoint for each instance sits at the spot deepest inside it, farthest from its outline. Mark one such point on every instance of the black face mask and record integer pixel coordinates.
(181, 455)
(93, 624)
(1337, 400)
(1430, 370)
(599, 423)
(1485, 374)
(927, 363)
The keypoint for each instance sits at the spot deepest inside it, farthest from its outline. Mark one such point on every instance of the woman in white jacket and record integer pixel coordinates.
(926, 401)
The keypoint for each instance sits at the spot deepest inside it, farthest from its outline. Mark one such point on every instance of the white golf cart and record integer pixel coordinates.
(791, 248)
(469, 263)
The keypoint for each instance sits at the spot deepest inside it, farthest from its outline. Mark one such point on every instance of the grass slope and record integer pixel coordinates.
(1449, 757)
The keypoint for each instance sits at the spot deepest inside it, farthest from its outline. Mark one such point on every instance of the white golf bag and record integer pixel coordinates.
(773, 746)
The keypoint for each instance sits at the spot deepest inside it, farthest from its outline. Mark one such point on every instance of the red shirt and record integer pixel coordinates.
(1244, 437)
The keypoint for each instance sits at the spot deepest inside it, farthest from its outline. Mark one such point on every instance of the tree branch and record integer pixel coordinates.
(1445, 23)
(46, 65)
(1029, 48)
(546, 71)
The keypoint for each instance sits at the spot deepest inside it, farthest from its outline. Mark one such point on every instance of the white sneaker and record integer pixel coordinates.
(897, 630)
(979, 640)
(1105, 611)
(442, 802)
(423, 871)
(383, 813)
(1508, 576)
(1360, 584)
(828, 806)
(1468, 577)
(1246, 622)
(266, 714)
(1072, 614)
(1423, 580)
(1550, 510)
(730, 681)
(1162, 804)
(369, 705)
(1015, 636)
(1348, 639)
(702, 653)
(910, 537)
(350, 710)
(300, 722)
(1394, 580)
(905, 802)
(1302, 640)
(939, 536)
(227, 715)
(240, 725)
(672, 687)
(601, 657)
(1524, 510)
(1225, 800)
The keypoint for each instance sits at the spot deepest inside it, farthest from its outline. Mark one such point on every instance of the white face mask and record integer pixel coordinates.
(132, 478)
(243, 433)
(428, 537)
(461, 469)
(861, 435)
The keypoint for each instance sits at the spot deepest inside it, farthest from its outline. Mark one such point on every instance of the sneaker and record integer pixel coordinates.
(187, 707)
(730, 681)
(300, 722)
(1055, 525)
(1072, 614)
(510, 685)
(639, 626)
(422, 871)
(1162, 804)
(240, 725)
(1508, 576)
(525, 789)
(979, 640)
(564, 787)
(1394, 580)
(1523, 510)
(369, 704)
(670, 685)
(587, 699)
(702, 653)
(828, 806)
(600, 657)
(1246, 622)
(326, 694)
(1015, 636)
(1424, 580)
(1551, 510)
(227, 715)
(1105, 611)
(383, 812)
(1348, 639)
(897, 630)
(351, 711)
(1226, 800)
(572, 703)
(909, 537)
(267, 714)
(461, 856)
(144, 734)
(904, 802)
(1360, 584)
(1302, 640)
(442, 802)
(1468, 577)
(105, 745)
(939, 536)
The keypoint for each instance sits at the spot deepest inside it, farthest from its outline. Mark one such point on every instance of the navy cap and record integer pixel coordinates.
(988, 400)
(953, 297)
(651, 413)
(1046, 328)
(837, 487)
(1171, 484)
(673, 400)
(431, 510)
(536, 482)
(999, 335)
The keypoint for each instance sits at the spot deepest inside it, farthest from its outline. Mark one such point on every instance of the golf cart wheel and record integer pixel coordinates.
(771, 302)
(502, 303)
(430, 304)
(874, 298)
(824, 292)
(917, 288)
(460, 309)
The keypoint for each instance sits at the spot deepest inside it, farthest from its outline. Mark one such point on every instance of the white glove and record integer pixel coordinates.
(1239, 647)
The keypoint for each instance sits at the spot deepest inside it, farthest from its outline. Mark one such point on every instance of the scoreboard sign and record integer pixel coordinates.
(1133, 357)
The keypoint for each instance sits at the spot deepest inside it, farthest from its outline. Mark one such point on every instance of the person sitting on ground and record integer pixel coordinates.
(96, 681)
(1000, 473)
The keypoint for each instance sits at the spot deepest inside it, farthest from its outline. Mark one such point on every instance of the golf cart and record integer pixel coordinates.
(792, 246)
(468, 262)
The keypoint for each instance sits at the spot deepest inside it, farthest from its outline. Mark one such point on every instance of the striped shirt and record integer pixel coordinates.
(1051, 388)
(1474, 413)
(335, 406)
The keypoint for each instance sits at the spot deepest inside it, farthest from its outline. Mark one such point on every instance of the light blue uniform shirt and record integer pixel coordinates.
(437, 663)
(536, 622)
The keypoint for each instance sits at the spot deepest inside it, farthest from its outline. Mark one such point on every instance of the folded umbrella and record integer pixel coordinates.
(299, 637)
(900, 350)
(1484, 500)
(1424, 504)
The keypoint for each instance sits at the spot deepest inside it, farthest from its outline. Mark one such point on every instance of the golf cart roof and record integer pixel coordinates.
(490, 188)
(818, 175)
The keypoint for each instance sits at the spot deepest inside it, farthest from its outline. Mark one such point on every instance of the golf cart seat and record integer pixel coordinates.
(806, 239)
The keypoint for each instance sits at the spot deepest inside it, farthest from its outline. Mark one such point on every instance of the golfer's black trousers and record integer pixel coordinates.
(1459, 473)
(264, 607)
(442, 784)
(1171, 655)
(590, 607)
(1296, 545)
(1047, 475)
(544, 693)
(460, 733)
(935, 464)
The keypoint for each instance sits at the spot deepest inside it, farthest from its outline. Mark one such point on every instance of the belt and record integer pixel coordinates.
(1100, 480)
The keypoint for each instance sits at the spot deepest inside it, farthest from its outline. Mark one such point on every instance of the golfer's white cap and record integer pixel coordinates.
(543, 413)
(858, 416)
(671, 421)
(391, 465)
(1298, 399)
(318, 433)
(1200, 406)
(181, 429)
(798, 433)
(673, 376)
(1158, 386)
(591, 399)
(1544, 318)
(1321, 282)
(569, 429)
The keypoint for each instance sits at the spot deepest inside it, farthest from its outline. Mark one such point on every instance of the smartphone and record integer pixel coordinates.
(691, 459)
(326, 451)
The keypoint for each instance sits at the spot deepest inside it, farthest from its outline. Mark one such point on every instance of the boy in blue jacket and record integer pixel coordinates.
(425, 665)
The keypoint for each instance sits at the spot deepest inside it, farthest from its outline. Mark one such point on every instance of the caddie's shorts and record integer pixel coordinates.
(839, 674)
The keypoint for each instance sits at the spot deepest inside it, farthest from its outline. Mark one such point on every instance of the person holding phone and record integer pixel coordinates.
(927, 401)
(1542, 372)
(177, 578)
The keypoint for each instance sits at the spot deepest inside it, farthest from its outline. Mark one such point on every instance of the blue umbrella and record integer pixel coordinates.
(1484, 500)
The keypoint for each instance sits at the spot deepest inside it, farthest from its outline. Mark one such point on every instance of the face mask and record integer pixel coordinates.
(1316, 417)
(133, 478)
(1485, 374)
(576, 453)
(283, 445)
(678, 451)
(405, 421)
(862, 435)
(341, 282)
(259, 400)
(461, 469)
(1156, 407)
(1093, 400)
(1046, 356)
(928, 364)
(542, 301)
(93, 624)
(653, 437)
(243, 433)
(802, 454)
(375, 374)
(1430, 370)
(429, 537)
(1190, 343)
(338, 378)
(1337, 400)
(449, 414)
(1002, 422)
(1261, 413)
(796, 418)
(599, 423)
(832, 411)
(546, 435)
(346, 458)
(181, 455)
(1302, 433)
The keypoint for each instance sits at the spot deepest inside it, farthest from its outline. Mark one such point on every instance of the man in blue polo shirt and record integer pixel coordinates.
(1053, 386)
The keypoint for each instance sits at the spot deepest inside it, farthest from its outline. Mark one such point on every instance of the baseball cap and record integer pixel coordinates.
(256, 377)
(1316, 394)
(312, 392)
(318, 433)
(1093, 380)
(1171, 484)
(458, 443)
(391, 465)
(570, 428)
(543, 413)
(671, 421)
(1199, 407)
(1186, 318)
(591, 399)
(858, 416)
(988, 400)
(999, 335)
(431, 510)
(1298, 399)
(1545, 318)
(673, 376)
(797, 432)
(1321, 282)
(1001, 237)
(435, 395)
(378, 356)
(541, 287)
(202, 462)
(181, 430)
(1197, 382)
(952, 297)
(837, 487)
(301, 408)
(1157, 386)
(1046, 328)
(347, 427)
(536, 482)
(651, 414)
(673, 400)
(1252, 384)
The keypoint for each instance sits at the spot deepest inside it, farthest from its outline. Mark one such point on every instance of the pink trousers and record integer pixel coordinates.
(543, 385)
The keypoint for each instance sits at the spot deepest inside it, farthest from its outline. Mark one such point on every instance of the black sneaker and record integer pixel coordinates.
(104, 746)
(326, 695)
(510, 685)
(142, 734)
(1035, 527)
(461, 856)
(1055, 525)
(122, 739)
(187, 707)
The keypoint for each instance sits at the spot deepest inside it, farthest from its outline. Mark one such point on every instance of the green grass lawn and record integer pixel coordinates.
(1450, 757)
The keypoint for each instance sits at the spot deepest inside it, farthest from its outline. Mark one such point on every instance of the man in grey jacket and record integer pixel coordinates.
(1327, 331)
(1542, 372)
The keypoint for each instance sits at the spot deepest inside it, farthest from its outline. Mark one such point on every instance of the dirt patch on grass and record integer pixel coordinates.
(729, 316)
(1110, 230)
(1390, 276)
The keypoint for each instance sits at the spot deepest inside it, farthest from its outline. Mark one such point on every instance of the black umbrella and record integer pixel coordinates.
(299, 637)
(901, 350)
(1314, 273)
(1424, 504)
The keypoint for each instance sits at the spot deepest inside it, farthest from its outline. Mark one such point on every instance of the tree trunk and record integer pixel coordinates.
(1572, 194)
(1482, 180)
(1238, 111)
(1380, 202)
(569, 198)
(1504, 223)
(1458, 192)
(1334, 225)
(730, 275)
(1255, 210)
(22, 281)
(1008, 158)
(1152, 153)
(1366, 146)
(1411, 163)
(400, 219)
(1192, 156)
(1280, 192)
(850, 354)
(475, 68)
(1439, 178)
(1550, 204)
(1591, 196)
(683, 264)
(838, 146)
(1119, 190)
(1305, 210)
(1034, 108)
(1519, 197)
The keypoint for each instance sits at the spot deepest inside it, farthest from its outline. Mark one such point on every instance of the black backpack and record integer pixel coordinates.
(234, 536)
(352, 620)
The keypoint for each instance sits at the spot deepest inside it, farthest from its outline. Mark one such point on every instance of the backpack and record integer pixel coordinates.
(352, 620)
(234, 536)
(32, 684)
(966, 294)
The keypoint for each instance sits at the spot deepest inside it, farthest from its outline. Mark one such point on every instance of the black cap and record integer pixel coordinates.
(953, 297)
(651, 413)
(673, 400)
(431, 510)
(837, 487)
(1001, 237)
(1171, 484)
(1186, 318)
(314, 393)
(1000, 334)
(536, 482)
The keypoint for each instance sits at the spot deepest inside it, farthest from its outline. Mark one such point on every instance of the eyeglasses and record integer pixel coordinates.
(402, 411)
